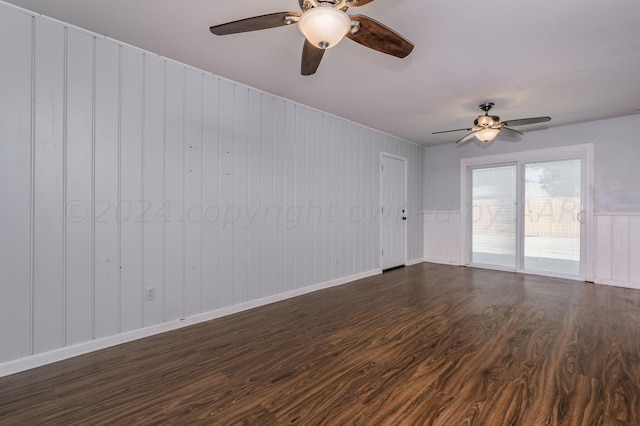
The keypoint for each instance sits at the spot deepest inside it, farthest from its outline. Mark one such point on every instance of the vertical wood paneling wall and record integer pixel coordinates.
(618, 249)
(122, 171)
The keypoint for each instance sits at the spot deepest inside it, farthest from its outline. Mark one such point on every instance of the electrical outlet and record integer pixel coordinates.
(150, 293)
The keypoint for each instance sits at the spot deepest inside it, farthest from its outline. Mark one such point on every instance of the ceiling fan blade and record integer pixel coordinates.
(261, 22)
(448, 131)
(523, 121)
(510, 133)
(311, 57)
(466, 138)
(378, 37)
(355, 3)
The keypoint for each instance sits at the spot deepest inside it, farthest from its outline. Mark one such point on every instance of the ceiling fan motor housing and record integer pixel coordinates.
(340, 4)
(486, 120)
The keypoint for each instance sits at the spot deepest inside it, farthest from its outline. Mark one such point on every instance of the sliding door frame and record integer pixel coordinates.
(584, 151)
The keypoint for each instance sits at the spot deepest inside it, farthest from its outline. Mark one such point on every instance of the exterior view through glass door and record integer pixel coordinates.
(553, 205)
(527, 216)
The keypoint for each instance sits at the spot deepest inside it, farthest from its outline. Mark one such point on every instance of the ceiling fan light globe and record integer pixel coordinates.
(488, 134)
(324, 26)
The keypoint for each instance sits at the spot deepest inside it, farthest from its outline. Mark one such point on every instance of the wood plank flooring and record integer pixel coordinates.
(424, 345)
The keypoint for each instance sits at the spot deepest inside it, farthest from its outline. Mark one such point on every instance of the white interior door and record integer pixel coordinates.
(393, 200)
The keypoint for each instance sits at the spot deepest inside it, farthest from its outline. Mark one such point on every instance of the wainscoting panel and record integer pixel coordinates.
(442, 237)
(618, 249)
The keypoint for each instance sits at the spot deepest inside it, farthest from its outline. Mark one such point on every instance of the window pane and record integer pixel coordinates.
(493, 216)
(551, 225)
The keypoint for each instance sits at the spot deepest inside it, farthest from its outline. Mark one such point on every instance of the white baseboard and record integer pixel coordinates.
(625, 284)
(414, 262)
(38, 360)
(442, 261)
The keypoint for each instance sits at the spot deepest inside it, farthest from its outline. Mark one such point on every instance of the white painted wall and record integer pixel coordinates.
(130, 171)
(616, 189)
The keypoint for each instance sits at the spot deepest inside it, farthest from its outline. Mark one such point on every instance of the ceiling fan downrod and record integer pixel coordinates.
(486, 120)
(486, 107)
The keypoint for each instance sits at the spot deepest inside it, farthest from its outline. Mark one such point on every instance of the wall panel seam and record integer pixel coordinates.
(612, 238)
(93, 188)
(183, 239)
(118, 211)
(629, 260)
(219, 185)
(32, 158)
(64, 184)
(261, 181)
(202, 207)
(273, 194)
(164, 192)
(143, 136)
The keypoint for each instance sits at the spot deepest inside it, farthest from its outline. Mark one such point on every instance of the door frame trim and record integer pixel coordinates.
(405, 160)
(585, 150)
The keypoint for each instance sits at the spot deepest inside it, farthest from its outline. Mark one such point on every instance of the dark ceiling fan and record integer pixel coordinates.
(324, 24)
(486, 127)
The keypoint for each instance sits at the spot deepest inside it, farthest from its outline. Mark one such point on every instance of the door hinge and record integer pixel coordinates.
(382, 252)
(382, 167)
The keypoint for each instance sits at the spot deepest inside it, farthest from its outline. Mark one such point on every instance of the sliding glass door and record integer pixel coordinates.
(493, 216)
(553, 205)
(527, 216)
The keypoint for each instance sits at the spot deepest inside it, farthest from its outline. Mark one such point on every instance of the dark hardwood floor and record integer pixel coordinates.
(423, 345)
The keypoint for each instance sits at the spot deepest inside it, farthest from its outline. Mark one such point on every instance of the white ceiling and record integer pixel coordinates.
(574, 60)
